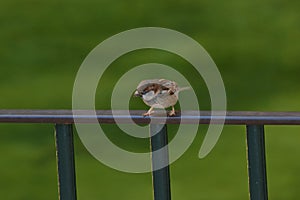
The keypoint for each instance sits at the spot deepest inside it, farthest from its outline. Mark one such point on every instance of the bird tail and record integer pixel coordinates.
(184, 88)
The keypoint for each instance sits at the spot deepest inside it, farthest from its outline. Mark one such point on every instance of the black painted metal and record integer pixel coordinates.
(257, 162)
(64, 119)
(185, 117)
(160, 177)
(65, 161)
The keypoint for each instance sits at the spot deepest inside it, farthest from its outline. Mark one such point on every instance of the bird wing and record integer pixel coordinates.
(158, 86)
(171, 86)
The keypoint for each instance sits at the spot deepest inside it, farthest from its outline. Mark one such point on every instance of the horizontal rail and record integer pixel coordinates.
(122, 116)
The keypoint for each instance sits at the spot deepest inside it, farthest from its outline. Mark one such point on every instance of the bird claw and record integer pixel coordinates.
(147, 113)
(172, 113)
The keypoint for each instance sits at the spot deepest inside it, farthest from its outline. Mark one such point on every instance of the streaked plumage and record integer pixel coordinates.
(159, 93)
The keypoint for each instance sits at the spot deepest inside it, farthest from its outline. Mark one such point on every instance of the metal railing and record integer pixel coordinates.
(63, 120)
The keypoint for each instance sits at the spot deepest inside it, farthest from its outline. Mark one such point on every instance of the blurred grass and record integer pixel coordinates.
(255, 44)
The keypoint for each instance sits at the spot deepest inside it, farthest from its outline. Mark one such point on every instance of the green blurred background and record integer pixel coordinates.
(255, 44)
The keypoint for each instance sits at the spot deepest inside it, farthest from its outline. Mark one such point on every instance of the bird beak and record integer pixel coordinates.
(136, 94)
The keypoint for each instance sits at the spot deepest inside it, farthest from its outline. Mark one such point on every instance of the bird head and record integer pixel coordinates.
(137, 94)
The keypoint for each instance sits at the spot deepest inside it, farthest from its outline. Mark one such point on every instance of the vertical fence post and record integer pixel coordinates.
(257, 162)
(160, 177)
(65, 161)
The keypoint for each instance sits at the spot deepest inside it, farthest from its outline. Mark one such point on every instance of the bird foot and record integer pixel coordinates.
(172, 113)
(148, 113)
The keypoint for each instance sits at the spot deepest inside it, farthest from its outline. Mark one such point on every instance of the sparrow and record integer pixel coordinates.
(159, 93)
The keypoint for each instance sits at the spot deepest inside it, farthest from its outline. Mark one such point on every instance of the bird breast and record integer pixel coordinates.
(160, 100)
